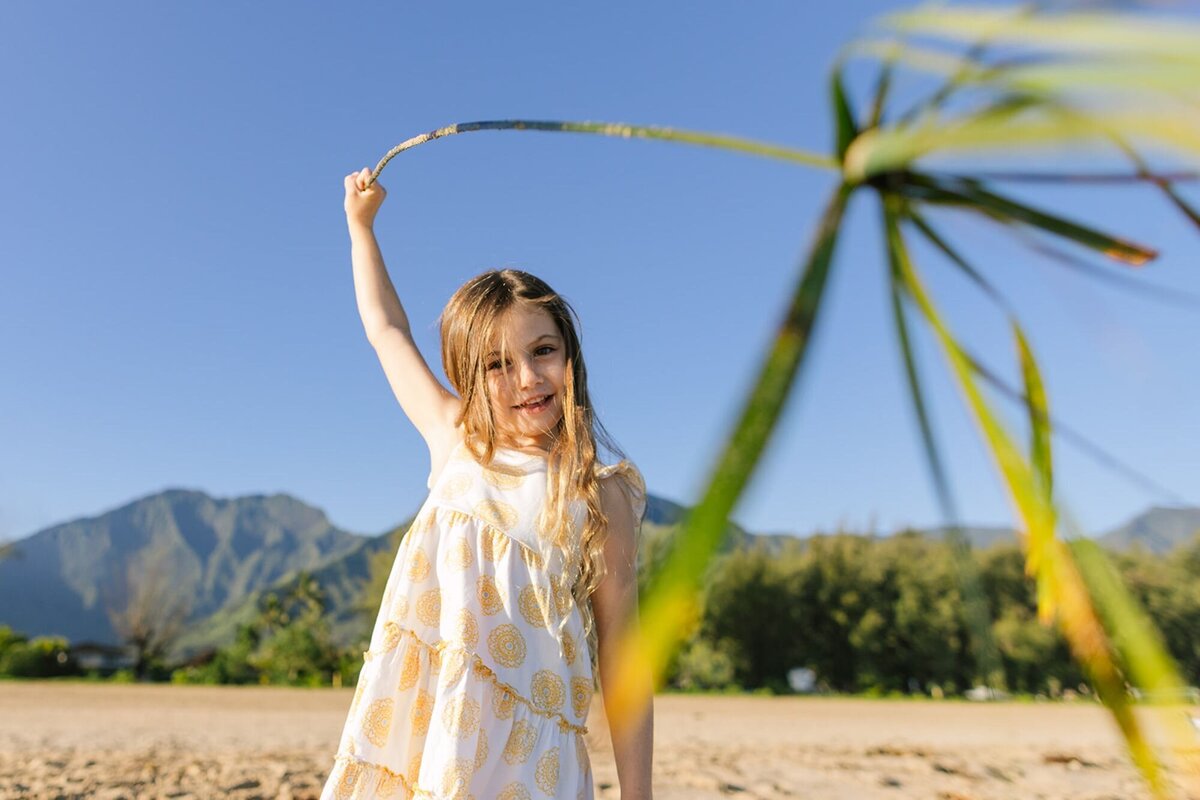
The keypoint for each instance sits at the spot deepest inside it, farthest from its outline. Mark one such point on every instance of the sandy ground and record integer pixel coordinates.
(66, 740)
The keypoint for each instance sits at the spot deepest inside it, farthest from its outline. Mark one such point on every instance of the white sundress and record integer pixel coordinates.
(467, 690)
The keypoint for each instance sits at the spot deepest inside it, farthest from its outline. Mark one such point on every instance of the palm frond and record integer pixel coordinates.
(976, 612)
(971, 194)
(1069, 32)
(1062, 592)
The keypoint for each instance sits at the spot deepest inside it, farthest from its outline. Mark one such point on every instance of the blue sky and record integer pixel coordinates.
(178, 308)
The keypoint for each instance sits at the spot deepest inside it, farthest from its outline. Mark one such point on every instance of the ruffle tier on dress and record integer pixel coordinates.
(469, 690)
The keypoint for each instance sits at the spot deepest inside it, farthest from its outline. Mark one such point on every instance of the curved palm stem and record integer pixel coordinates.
(621, 130)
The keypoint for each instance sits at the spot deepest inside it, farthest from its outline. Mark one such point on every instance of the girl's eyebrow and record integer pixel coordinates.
(531, 344)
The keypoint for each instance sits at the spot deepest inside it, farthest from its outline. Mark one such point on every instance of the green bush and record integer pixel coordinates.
(41, 657)
(703, 666)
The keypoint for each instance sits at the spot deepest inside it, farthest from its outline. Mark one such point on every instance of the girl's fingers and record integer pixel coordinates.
(358, 180)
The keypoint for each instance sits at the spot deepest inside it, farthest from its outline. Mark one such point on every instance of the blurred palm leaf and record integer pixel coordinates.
(1063, 84)
(1060, 588)
(1064, 33)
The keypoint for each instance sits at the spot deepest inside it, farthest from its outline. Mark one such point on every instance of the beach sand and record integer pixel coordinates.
(66, 740)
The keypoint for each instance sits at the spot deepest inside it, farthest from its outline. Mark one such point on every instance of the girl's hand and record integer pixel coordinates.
(362, 203)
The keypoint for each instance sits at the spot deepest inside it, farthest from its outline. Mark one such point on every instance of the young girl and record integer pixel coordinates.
(518, 575)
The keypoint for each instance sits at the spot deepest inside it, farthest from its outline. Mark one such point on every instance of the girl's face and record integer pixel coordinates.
(526, 392)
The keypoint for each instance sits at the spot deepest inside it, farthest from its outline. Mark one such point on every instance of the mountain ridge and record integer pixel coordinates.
(224, 553)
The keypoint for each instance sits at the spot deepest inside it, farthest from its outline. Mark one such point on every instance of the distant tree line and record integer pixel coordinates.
(886, 614)
(864, 614)
(287, 643)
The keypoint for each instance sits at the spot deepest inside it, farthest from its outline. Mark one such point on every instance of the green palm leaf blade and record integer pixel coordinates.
(918, 219)
(670, 605)
(975, 603)
(1039, 414)
(1022, 121)
(1188, 209)
(1172, 75)
(1142, 650)
(1093, 450)
(1039, 454)
(960, 68)
(1113, 75)
(1143, 170)
(847, 129)
(1073, 608)
(971, 195)
(882, 85)
(1082, 31)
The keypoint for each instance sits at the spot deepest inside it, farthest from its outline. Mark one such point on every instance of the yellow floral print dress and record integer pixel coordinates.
(468, 689)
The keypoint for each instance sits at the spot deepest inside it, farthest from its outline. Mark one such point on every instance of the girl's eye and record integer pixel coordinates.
(543, 350)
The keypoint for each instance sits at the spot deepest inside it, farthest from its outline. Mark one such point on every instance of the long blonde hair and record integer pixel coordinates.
(468, 324)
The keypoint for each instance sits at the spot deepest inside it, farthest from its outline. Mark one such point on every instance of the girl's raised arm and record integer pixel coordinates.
(430, 406)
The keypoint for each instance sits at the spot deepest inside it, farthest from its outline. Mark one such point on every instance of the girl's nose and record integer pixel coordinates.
(529, 373)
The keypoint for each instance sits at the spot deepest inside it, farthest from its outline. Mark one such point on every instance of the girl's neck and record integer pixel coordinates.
(540, 445)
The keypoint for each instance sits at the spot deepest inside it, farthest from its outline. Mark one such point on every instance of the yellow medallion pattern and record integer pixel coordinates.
(514, 791)
(378, 721)
(456, 779)
(489, 595)
(410, 668)
(532, 559)
(459, 555)
(493, 544)
(502, 478)
(422, 711)
(503, 703)
(534, 602)
(454, 666)
(455, 486)
(569, 648)
(418, 565)
(507, 646)
(389, 785)
(546, 774)
(465, 629)
(481, 749)
(519, 746)
(348, 779)
(429, 607)
(497, 512)
(547, 691)
(581, 696)
(391, 635)
(562, 598)
(414, 766)
(460, 716)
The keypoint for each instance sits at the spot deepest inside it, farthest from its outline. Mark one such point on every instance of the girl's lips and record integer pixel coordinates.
(535, 408)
